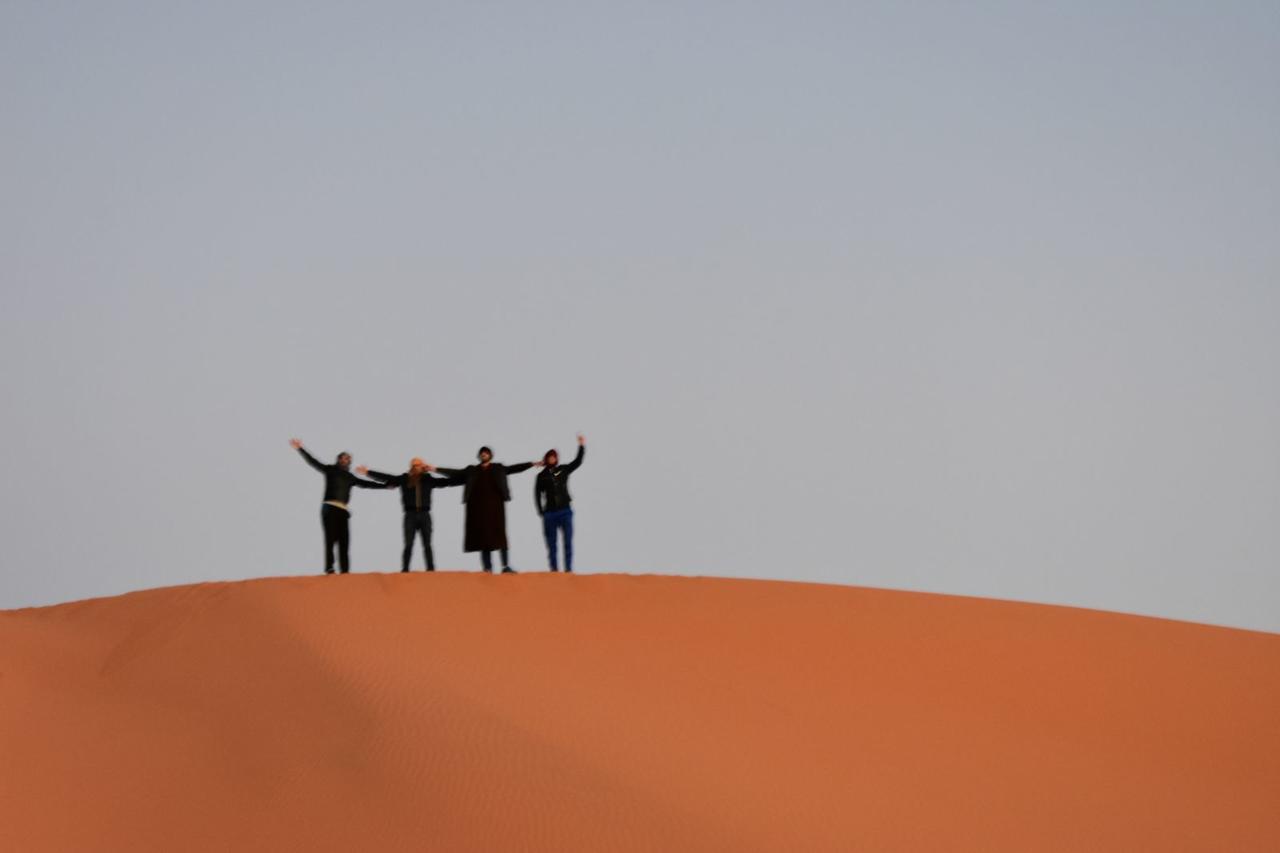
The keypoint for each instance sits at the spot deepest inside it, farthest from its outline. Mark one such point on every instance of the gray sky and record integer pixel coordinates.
(971, 298)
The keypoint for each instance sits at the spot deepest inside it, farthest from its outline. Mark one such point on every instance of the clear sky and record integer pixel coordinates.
(975, 298)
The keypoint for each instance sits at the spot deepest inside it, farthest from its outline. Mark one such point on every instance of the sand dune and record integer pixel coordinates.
(461, 712)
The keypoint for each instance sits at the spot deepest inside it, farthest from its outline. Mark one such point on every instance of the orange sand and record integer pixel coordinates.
(463, 712)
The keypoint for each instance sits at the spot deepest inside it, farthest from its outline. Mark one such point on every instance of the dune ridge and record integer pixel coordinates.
(458, 711)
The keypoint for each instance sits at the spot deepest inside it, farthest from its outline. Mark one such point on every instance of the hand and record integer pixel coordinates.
(295, 443)
(429, 467)
(582, 440)
(540, 464)
(362, 470)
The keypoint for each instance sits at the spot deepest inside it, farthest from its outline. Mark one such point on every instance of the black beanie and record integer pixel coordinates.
(484, 450)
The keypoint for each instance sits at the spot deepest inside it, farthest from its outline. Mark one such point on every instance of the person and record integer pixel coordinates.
(416, 486)
(551, 495)
(334, 514)
(485, 494)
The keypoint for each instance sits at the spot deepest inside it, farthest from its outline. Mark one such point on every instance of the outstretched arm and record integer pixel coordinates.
(311, 460)
(519, 467)
(392, 479)
(370, 484)
(446, 482)
(450, 472)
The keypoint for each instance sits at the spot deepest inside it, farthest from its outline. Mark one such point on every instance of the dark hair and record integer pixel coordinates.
(338, 458)
(546, 456)
(484, 450)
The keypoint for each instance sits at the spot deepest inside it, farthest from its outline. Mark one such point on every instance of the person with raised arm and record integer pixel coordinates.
(485, 494)
(416, 486)
(334, 514)
(551, 495)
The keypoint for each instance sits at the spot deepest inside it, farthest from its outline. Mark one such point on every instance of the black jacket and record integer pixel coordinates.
(338, 481)
(551, 489)
(415, 497)
(468, 476)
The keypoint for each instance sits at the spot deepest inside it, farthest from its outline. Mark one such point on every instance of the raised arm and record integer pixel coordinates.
(311, 460)
(577, 460)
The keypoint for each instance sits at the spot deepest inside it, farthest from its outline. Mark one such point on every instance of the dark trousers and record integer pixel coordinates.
(552, 523)
(336, 532)
(486, 559)
(415, 522)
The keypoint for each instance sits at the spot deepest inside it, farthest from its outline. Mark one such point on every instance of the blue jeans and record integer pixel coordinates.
(553, 521)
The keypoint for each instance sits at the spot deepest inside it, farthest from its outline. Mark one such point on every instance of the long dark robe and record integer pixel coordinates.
(486, 512)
